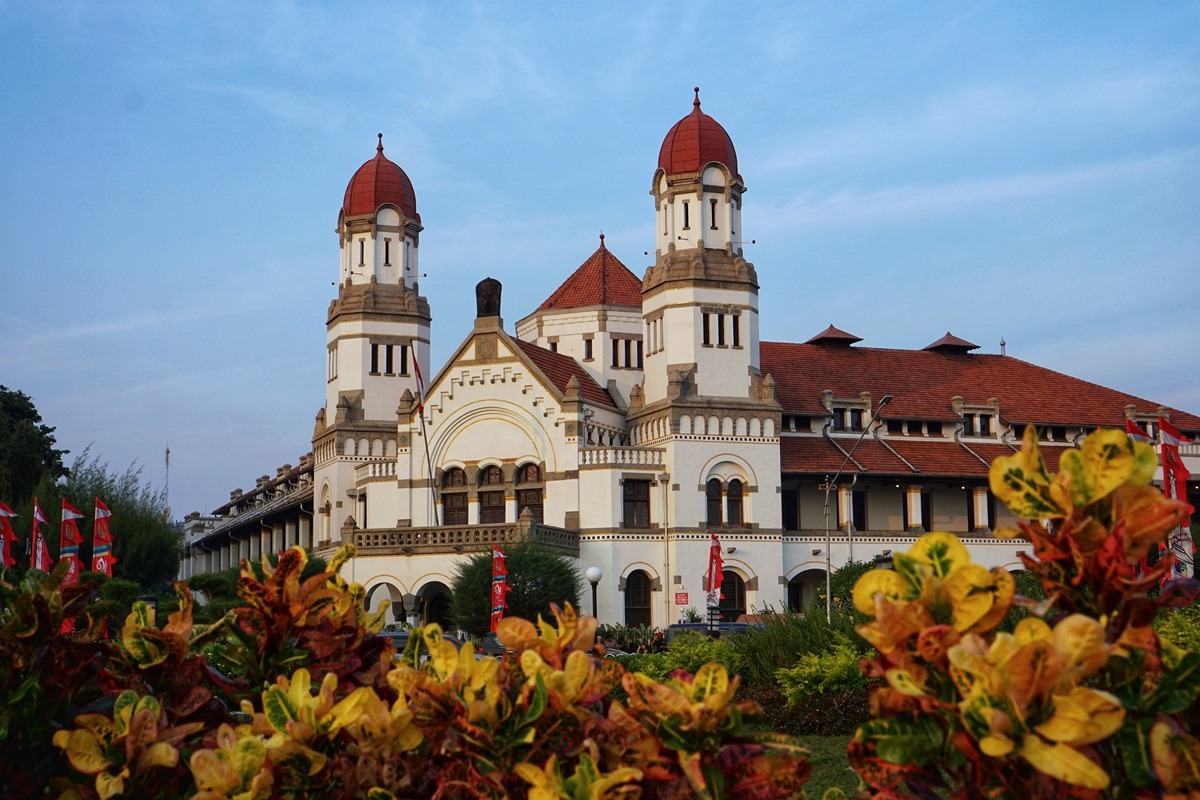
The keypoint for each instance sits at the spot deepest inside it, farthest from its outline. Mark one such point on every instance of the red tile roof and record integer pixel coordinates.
(377, 182)
(602, 280)
(832, 335)
(560, 369)
(923, 383)
(951, 343)
(942, 457)
(694, 141)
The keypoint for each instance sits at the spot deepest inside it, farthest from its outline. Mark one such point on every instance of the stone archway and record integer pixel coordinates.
(433, 604)
(390, 595)
(805, 588)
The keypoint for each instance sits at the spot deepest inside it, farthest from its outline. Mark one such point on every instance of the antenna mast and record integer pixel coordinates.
(167, 485)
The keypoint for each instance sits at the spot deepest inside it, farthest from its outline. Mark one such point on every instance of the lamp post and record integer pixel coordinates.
(828, 486)
(594, 574)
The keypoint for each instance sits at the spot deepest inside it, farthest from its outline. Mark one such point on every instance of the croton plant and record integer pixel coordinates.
(324, 708)
(1082, 698)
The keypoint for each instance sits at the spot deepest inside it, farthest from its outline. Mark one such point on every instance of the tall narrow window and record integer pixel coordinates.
(636, 495)
(374, 359)
(362, 252)
(403, 359)
(639, 353)
(985, 425)
(529, 491)
(454, 497)
(736, 329)
(856, 419)
(387, 359)
(587, 349)
(491, 503)
(637, 599)
(554, 347)
(705, 332)
(387, 252)
(720, 330)
(616, 352)
(713, 214)
(628, 353)
(733, 504)
(733, 596)
(685, 215)
(712, 494)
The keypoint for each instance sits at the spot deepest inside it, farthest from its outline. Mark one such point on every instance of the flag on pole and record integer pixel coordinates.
(716, 569)
(8, 537)
(1175, 476)
(1135, 432)
(69, 540)
(420, 382)
(39, 554)
(102, 541)
(499, 586)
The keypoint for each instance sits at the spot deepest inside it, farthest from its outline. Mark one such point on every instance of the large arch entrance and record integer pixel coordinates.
(387, 595)
(433, 604)
(638, 586)
(733, 604)
(805, 588)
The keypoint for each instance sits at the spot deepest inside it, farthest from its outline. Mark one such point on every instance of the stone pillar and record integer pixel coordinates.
(912, 500)
(979, 496)
(510, 508)
(255, 546)
(276, 538)
(472, 511)
(306, 540)
(845, 508)
(290, 534)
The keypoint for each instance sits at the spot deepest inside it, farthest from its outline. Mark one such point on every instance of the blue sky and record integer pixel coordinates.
(172, 174)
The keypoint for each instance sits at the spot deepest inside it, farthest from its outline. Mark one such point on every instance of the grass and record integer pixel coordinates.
(830, 766)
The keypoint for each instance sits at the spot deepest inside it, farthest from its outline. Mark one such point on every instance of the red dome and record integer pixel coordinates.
(696, 140)
(377, 182)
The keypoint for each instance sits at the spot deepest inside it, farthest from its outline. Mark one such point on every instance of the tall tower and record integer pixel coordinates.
(704, 400)
(377, 330)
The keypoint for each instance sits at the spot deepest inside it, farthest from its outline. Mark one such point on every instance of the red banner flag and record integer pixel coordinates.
(1175, 477)
(499, 586)
(1135, 432)
(102, 541)
(716, 569)
(69, 540)
(8, 537)
(39, 553)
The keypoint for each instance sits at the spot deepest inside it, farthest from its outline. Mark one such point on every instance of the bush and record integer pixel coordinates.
(631, 640)
(1180, 627)
(688, 651)
(834, 671)
(784, 638)
(537, 579)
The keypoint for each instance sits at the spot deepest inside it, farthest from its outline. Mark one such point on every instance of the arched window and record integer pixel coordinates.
(733, 505)
(733, 604)
(529, 491)
(491, 503)
(454, 497)
(713, 496)
(637, 599)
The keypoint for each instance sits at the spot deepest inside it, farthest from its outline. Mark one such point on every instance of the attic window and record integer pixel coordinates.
(933, 428)
(895, 427)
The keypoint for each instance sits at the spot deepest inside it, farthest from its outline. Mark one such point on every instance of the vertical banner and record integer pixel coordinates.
(39, 551)
(716, 566)
(499, 586)
(102, 541)
(1175, 477)
(8, 537)
(69, 540)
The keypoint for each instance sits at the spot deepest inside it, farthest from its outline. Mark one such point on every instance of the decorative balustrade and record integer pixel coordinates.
(620, 456)
(375, 469)
(461, 539)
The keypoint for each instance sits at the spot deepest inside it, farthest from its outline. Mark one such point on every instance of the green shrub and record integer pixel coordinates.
(831, 672)
(784, 638)
(629, 639)
(537, 578)
(1180, 627)
(689, 650)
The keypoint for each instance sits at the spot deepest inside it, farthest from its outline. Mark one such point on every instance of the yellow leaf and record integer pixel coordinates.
(577, 670)
(348, 710)
(1085, 716)
(902, 681)
(1102, 463)
(996, 746)
(1063, 762)
(711, 686)
(969, 588)
(942, 551)
(83, 750)
(111, 785)
(159, 754)
(1032, 629)
(1022, 483)
(516, 633)
(1004, 589)
(890, 583)
(1145, 462)
(1080, 643)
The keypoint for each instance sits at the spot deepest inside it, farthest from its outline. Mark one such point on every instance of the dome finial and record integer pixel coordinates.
(696, 102)
(601, 239)
(379, 147)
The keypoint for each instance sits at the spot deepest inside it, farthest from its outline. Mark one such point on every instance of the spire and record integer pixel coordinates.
(379, 147)
(696, 102)
(602, 247)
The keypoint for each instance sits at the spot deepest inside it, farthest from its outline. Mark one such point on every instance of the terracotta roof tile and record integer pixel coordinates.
(817, 454)
(832, 335)
(951, 343)
(560, 369)
(694, 141)
(928, 457)
(377, 182)
(602, 280)
(923, 383)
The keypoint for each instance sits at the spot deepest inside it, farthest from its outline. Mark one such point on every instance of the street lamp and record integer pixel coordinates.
(828, 486)
(594, 574)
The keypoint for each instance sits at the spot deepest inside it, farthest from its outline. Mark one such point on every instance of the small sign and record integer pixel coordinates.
(681, 598)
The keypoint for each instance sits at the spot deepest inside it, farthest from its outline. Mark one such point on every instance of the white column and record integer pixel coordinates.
(912, 496)
(979, 496)
(845, 507)
(306, 532)
(290, 534)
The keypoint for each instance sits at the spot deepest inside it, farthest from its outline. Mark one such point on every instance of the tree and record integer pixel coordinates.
(537, 577)
(27, 450)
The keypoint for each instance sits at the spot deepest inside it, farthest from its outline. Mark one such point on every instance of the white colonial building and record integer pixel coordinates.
(626, 419)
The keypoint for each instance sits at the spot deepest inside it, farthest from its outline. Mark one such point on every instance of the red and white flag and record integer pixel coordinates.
(716, 569)
(420, 382)
(1135, 432)
(8, 537)
(1175, 477)
(500, 587)
(102, 541)
(69, 540)
(39, 554)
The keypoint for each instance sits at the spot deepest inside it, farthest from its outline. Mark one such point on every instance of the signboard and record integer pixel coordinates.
(681, 598)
